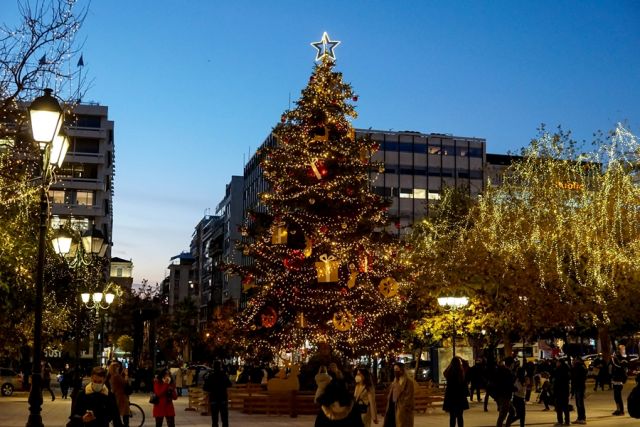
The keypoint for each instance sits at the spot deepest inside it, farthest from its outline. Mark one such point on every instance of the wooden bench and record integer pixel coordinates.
(426, 398)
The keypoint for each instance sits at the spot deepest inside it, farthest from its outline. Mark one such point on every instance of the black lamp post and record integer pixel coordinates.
(452, 304)
(46, 121)
(89, 245)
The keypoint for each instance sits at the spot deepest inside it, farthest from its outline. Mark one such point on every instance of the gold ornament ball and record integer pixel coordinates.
(312, 201)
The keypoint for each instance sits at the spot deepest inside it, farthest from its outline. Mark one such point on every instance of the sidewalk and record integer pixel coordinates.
(14, 411)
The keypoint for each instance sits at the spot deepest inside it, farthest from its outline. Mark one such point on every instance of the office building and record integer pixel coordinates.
(83, 193)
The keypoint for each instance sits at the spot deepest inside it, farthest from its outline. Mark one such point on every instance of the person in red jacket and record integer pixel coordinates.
(166, 392)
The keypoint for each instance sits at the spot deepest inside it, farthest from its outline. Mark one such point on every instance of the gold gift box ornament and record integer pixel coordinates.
(327, 268)
(279, 235)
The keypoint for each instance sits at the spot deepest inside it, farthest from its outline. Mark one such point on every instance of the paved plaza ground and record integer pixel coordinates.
(14, 412)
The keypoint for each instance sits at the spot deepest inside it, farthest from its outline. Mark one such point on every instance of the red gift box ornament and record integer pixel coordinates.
(365, 262)
(318, 169)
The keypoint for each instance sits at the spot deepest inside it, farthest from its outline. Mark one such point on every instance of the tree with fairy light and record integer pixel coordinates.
(323, 269)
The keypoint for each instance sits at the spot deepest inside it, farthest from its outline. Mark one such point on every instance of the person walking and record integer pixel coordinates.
(561, 389)
(503, 380)
(45, 372)
(166, 392)
(400, 402)
(216, 385)
(456, 392)
(475, 378)
(601, 373)
(95, 406)
(365, 395)
(118, 386)
(65, 380)
(578, 388)
(520, 387)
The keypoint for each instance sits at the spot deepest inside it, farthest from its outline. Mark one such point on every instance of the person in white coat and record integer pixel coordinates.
(365, 396)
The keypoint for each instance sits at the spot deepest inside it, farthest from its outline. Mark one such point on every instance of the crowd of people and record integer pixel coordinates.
(512, 384)
(348, 397)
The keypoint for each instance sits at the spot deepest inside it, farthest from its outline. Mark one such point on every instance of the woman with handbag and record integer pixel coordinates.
(166, 393)
(365, 396)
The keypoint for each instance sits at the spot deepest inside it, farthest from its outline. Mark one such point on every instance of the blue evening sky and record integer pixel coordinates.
(195, 86)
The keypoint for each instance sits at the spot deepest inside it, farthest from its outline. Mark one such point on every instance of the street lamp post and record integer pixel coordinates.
(46, 118)
(452, 304)
(98, 301)
(87, 247)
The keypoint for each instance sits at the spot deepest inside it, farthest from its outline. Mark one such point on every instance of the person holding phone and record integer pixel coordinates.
(166, 392)
(95, 406)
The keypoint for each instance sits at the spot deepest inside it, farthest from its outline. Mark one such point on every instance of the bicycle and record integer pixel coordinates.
(136, 417)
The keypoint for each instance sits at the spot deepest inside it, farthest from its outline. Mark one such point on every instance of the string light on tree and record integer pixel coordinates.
(323, 223)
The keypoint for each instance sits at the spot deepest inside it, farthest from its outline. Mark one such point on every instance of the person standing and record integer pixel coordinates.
(561, 389)
(519, 397)
(65, 380)
(503, 380)
(118, 386)
(578, 388)
(45, 371)
(166, 392)
(95, 406)
(400, 402)
(456, 392)
(216, 384)
(618, 378)
(337, 405)
(365, 395)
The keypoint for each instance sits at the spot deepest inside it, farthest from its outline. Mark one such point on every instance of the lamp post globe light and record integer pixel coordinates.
(453, 304)
(46, 117)
(79, 251)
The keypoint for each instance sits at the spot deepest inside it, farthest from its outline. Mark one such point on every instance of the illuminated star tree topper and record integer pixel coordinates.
(325, 47)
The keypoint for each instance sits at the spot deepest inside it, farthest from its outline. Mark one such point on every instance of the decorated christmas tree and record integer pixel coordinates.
(324, 268)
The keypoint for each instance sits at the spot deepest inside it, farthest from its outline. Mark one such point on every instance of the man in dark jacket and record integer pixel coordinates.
(95, 406)
(503, 384)
(578, 388)
(561, 390)
(216, 384)
(618, 378)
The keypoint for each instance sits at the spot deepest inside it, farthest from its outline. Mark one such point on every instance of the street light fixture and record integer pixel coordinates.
(81, 251)
(46, 121)
(453, 304)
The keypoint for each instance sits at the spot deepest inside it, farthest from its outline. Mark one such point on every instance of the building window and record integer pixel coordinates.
(79, 170)
(57, 196)
(119, 272)
(86, 145)
(434, 149)
(413, 193)
(86, 121)
(434, 196)
(84, 198)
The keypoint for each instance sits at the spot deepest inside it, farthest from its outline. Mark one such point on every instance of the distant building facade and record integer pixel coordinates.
(179, 285)
(121, 273)
(83, 194)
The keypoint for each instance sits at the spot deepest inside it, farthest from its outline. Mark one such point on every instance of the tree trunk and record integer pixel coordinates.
(605, 342)
(508, 348)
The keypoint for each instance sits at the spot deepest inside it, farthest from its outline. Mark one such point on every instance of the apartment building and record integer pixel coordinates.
(83, 193)
(418, 167)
